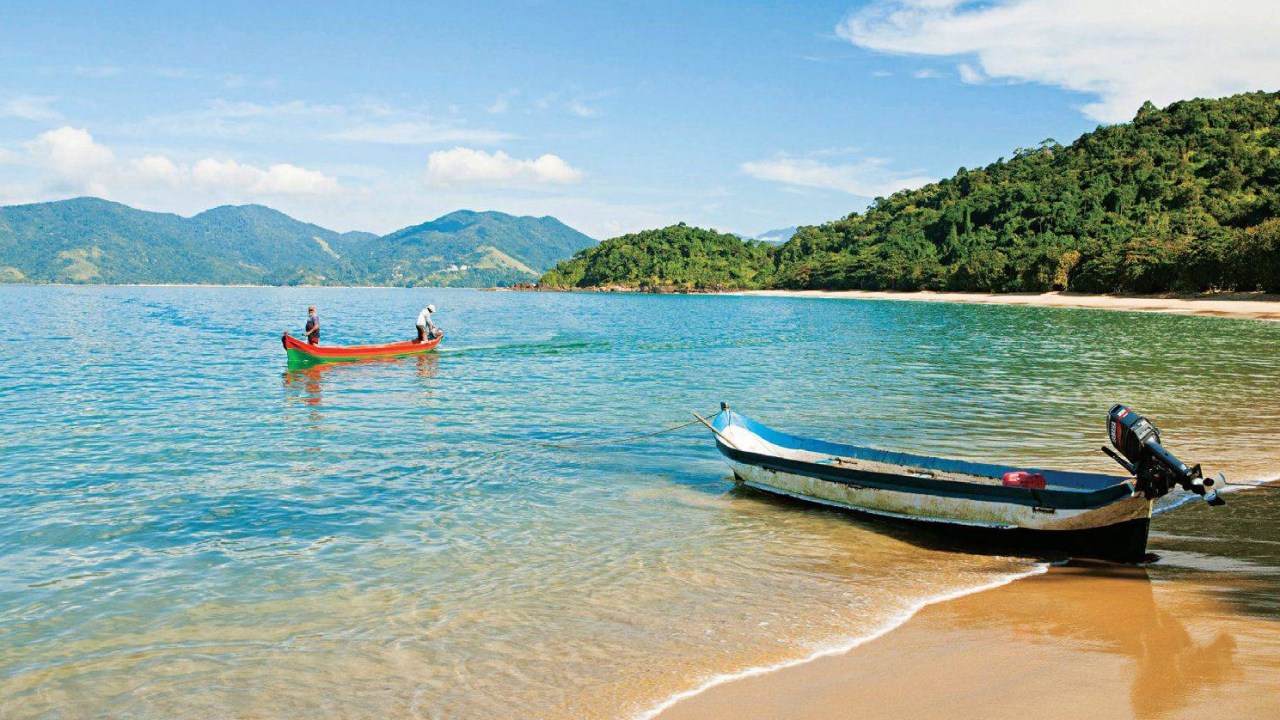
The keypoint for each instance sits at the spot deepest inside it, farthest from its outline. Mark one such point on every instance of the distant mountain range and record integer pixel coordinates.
(773, 237)
(89, 240)
(779, 236)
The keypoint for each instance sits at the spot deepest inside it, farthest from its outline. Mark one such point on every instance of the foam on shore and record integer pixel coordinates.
(839, 648)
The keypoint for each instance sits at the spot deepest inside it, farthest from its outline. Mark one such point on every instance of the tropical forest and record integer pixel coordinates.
(1181, 199)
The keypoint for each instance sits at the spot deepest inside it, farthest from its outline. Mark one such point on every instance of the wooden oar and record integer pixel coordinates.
(719, 434)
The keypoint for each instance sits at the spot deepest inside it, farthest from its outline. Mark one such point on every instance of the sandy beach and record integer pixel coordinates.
(1082, 640)
(1246, 306)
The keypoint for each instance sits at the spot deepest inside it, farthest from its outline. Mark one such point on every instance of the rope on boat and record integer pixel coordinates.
(613, 441)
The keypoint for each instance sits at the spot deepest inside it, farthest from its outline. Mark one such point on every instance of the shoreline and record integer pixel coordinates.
(1242, 306)
(836, 650)
(1235, 305)
(1035, 644)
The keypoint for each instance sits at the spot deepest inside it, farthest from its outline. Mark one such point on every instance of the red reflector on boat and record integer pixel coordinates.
(1019, 478)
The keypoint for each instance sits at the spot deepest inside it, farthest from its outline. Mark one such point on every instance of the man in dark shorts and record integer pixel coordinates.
(313, 326)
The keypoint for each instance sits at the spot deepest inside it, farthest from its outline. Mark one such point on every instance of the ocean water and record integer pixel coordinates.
(191, 529)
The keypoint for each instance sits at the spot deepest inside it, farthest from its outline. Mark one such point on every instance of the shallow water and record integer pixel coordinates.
(189, 529)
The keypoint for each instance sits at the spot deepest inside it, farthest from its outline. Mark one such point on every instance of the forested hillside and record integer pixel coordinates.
(678, 256)
(494, 248)
(88, 240)
(1181, 199)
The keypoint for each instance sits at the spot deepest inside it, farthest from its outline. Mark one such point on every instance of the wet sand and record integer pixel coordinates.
(1084, 640)
(1248, 306)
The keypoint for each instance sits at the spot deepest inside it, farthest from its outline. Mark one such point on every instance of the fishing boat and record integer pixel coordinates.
(1085, 514)
(301, 352)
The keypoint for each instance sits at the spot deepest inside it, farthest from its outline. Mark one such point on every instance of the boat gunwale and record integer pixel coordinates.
(1059, 497)
(358, 352)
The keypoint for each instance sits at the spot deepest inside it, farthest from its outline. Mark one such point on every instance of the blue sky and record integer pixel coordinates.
(612, 117)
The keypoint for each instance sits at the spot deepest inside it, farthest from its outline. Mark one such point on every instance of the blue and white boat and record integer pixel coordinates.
(1084, 514)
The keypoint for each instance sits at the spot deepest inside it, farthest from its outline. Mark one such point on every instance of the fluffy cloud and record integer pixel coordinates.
(866, 178)
(282, 179)
(466, 166)
(77, 162)
(1121, 51)
(159, 168)
(71, 153)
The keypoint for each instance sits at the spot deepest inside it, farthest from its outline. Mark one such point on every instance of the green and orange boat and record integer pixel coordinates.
(301, 352)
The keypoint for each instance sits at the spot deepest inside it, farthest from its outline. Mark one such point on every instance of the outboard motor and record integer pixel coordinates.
(1157, 470)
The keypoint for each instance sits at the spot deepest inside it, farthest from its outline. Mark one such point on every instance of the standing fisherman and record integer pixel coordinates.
(313, 326)
(425, 324)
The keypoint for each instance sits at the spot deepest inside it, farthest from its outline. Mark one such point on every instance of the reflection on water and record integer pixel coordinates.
(1114, 609)
(189, 533)
(306, 379)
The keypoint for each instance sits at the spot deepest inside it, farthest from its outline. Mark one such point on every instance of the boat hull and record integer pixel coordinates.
(935, 508)
(302, 353)
(1082, 514)
(1117, 532)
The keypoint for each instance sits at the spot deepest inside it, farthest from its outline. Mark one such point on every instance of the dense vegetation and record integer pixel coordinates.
(87, 240)
(679, 257)
(1181, 199)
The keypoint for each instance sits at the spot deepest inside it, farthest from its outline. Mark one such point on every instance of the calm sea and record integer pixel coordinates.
(189, 529)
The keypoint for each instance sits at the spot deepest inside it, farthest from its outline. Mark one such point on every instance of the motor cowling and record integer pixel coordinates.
(1155, 469)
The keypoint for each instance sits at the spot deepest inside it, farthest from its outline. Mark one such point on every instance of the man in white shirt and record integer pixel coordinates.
(425, 324)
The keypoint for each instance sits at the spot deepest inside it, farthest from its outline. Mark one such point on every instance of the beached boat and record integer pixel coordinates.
(301, 352)
(1084, 514)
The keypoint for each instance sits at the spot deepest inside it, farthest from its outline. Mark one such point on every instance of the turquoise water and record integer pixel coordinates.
(189, 529)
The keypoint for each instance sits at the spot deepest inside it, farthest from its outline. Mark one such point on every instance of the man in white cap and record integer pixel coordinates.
(425, 324)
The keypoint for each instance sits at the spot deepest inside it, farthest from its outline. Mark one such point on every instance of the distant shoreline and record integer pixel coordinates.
(1245, 306)
(1237, 305)
(252, 285)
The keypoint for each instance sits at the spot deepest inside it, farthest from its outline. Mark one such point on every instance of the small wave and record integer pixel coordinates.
(1213, 563)
(1213, 539)
(840, 648)
(526, 348)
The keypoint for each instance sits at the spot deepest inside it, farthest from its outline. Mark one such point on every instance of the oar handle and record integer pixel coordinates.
(719, 434)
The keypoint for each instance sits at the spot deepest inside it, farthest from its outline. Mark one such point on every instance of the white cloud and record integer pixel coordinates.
(418, 133)
(499, 106)
(467, 166)
(281, 179)
(925, 74)
(969, 75)
(75, 162)
(1121, 51)
(583, 105)
(159, 168)
(581, 109)
(71, 152)
(30, 107)
(867, 178)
